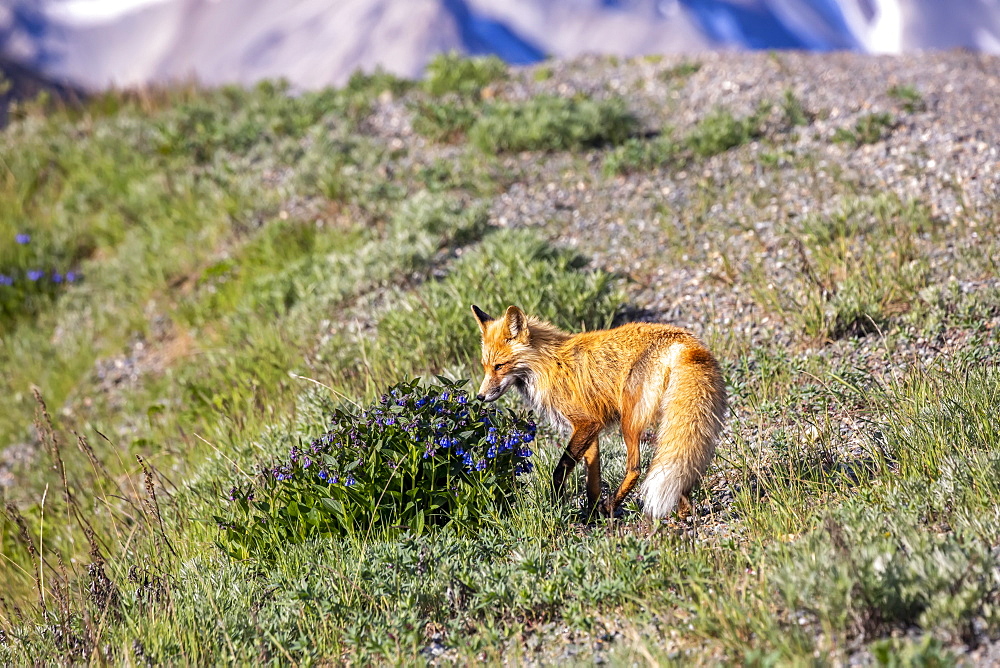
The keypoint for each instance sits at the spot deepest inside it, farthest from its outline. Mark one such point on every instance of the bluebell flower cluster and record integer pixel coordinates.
(24, 277)
(419, 455)
(441, 427)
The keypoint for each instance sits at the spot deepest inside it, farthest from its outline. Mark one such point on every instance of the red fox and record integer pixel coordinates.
(637, 375)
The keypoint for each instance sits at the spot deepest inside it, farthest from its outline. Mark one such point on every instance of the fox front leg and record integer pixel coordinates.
(584, 438)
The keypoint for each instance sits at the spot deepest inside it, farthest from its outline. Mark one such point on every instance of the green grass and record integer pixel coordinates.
(857, 269)
(682, 70)
(252, 261)
(909, 96)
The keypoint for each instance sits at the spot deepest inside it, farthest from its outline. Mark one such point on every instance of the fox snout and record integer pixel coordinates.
(491, 389)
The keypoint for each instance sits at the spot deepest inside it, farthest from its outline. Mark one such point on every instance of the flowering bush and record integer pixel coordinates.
(419, 456)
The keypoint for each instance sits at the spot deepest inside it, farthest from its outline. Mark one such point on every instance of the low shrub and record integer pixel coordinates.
(720, 131)
(454, 73)
(446, 122)
(434, 328)
(869, 129)
(420, 456)
(639, 155)
(909, 96)
(550, 123)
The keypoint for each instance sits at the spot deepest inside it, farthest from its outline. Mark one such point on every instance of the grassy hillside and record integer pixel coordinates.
(194, 283)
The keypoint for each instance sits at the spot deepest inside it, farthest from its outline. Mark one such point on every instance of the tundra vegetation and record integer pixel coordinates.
(213, 304)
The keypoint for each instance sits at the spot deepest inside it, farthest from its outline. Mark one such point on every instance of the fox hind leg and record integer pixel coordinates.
(632, 471)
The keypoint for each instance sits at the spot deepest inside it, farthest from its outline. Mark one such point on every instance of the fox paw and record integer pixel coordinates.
(602, 510)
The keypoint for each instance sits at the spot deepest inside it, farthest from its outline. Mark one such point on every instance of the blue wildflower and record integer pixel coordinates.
(350, 480)
(306, 462)
(57, 277)
(527, 438)
(445, 396)
(421, 402)
(22, 238)
(492, 452)
(71, 276)
(35, 274)
(481, 464)
(323, 474)
(463, 400)
(467, 459)
(6, 280)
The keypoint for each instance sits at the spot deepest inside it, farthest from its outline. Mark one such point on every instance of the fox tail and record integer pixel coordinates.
(692, 410)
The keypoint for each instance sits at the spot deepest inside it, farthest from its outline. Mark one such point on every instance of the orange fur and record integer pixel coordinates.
(638, 375)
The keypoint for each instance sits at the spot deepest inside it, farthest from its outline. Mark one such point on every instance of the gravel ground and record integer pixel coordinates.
(943, 153)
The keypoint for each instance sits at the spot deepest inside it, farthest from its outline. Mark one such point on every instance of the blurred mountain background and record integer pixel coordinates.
(93, 44)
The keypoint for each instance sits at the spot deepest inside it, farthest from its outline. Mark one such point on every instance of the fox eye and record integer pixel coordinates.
(497, 367)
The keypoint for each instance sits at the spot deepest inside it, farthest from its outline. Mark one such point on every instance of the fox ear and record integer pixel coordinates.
(481, 318)
(516, 322)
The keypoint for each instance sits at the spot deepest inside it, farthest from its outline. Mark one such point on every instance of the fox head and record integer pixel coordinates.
(503, 340)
